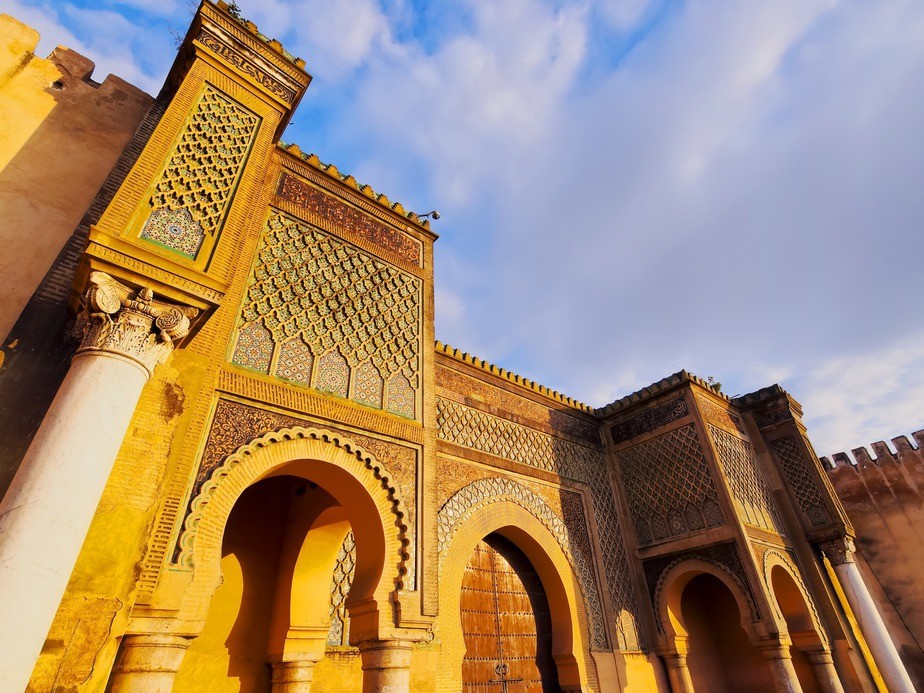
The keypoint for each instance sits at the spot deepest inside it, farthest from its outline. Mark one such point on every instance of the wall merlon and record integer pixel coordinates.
(905, 451)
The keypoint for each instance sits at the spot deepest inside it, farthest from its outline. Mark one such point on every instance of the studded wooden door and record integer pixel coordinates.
(506, 623)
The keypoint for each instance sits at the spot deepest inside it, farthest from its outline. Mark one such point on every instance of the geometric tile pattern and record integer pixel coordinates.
(254, 347)
(749, 489)
(668, 486)
(494, 489)
(368, 385)
(804, 487)
(174, 229)
(344, 304)
(401, 396)
(202, 172)
(295, 361)
(475, 429)
(333, 374)
(342, 579)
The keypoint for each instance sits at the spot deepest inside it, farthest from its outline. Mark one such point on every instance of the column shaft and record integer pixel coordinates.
(679, 673)
(823, 667)
(784, 673)
(47, 511)
(874, 630)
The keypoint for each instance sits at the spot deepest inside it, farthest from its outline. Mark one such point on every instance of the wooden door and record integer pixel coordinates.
(506, 623)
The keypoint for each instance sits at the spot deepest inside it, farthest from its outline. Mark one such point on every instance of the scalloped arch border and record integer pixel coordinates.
(696, 561)
(198, 505)
(774, 558)
(467, 500)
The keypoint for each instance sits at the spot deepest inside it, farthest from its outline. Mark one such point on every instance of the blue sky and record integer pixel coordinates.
(628, 187)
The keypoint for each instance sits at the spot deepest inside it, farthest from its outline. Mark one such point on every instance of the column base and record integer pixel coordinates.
(149, 663)
(386, 666)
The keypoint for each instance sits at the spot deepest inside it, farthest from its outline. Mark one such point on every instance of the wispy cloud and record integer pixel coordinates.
(629, 187)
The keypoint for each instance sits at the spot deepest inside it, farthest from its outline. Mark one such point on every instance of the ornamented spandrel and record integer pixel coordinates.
(749, 488)
(193, 193)
(471, 428)
(345, 306)
(485, 491)
(668, 486)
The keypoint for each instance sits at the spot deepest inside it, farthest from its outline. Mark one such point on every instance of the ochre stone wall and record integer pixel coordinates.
(62, 133)
(884, 498)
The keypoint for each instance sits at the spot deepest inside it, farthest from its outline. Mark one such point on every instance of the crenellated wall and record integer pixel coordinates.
(883, 494)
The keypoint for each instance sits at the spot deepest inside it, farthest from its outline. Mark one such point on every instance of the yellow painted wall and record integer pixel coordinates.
(61, 135)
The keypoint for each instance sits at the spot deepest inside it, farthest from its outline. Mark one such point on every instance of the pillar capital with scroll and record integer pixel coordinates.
(46, 513)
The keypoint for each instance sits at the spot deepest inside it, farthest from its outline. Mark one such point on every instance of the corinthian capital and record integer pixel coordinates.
(130, 322)
(838, 551)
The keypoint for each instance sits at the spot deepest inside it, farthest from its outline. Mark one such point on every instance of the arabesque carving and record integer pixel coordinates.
(118, 319)
(668, 486)
(343, 321)
(803, 483)
(340, 583)
(749, 488)
(494, 489)
(471, 428)
(247, 65)
(193, 193)
(723, 557)
(650, 419)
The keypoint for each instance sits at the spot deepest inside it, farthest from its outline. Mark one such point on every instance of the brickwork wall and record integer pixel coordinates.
(884, 498)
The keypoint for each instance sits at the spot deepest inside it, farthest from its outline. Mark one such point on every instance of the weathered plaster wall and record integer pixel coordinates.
(884, 498)
(62, 133)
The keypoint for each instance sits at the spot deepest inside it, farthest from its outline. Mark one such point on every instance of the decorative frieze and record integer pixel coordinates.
(325, 205)
(650, 419)
(128, 322)
(248, 63)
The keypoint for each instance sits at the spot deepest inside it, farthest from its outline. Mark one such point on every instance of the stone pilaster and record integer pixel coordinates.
(47, 511)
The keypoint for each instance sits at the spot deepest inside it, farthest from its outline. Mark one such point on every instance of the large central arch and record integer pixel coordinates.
(352, 476)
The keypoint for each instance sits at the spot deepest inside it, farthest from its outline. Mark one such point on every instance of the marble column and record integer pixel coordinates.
(840, 554)
(822, 664)
(784, 673)
(148, 663)
(386, 666)
(47, 511)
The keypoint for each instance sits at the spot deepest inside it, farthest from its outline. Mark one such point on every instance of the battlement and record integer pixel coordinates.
(252, 28)
(905, 451)
(662, 385)
(348, 180)
(472, 360)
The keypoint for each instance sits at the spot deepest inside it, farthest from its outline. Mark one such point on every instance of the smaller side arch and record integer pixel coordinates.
(674, 579)
(808, 627)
